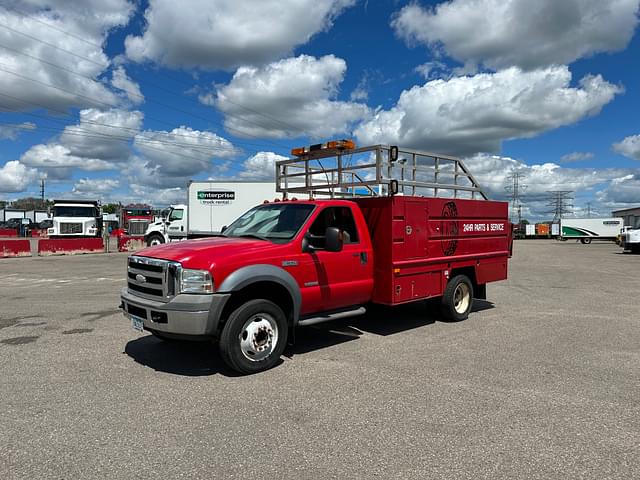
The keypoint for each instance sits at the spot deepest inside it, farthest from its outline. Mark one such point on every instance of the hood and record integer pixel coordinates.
(204, 252)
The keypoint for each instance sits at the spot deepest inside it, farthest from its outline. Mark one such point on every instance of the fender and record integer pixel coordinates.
(245, 276)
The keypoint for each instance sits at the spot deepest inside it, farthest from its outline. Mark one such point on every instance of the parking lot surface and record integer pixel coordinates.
(542, 381)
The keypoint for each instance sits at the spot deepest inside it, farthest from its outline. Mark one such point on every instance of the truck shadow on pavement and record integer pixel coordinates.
(202, 358)
(190, 359)
(378, 320)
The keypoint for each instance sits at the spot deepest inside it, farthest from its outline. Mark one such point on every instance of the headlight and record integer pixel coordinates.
(195, 281)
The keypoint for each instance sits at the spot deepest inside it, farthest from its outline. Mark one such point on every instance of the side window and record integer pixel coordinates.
(340, 217)
(176, 215)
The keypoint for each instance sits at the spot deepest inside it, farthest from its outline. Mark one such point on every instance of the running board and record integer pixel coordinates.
(332, 316)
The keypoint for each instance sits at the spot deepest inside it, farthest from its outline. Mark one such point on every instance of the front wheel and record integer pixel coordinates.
(586, 241)
(155, 239)
(254, 337)
(457, 300)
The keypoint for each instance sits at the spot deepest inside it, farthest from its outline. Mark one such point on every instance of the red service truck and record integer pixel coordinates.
(382, 226)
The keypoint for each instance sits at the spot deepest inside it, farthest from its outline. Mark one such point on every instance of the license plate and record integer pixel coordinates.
(136, 323)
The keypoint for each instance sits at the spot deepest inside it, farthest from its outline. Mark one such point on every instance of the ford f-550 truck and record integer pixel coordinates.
(294, 262)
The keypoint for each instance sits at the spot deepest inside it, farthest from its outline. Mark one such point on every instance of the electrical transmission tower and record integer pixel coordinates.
(515, 187)
(561, 201)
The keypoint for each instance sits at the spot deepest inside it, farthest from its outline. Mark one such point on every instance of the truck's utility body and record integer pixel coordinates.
(419, 243)
(587, 229)
(373, 238)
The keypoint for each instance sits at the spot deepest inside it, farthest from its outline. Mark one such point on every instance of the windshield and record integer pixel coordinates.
(138, 213)
(74, 212)
(271, 222)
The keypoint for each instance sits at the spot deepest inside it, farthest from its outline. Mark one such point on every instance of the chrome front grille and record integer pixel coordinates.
(137, 227)
(152, 278)
(70, 228)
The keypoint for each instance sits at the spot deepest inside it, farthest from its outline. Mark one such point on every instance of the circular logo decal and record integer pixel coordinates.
(449, 229)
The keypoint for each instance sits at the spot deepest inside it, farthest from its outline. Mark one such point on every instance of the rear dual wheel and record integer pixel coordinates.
(254, 337)
(457, 301)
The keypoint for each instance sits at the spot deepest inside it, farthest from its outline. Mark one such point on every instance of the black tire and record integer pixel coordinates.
(457, 301)
(155, 239)
(254, 325)
(585, 241)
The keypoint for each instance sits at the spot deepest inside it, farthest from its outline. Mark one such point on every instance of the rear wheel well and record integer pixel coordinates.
(479, 291)
(271, 291)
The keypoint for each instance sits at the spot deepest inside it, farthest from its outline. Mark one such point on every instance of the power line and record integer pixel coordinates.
(514, 186)
(288, 126)
(561, 201)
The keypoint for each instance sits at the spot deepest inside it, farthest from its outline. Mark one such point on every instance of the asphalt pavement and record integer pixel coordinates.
(542, 381)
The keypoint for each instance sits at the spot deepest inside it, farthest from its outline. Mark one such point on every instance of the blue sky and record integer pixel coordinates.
(127, 101)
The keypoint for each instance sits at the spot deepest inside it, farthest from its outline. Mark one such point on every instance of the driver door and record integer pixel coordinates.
(336, 280)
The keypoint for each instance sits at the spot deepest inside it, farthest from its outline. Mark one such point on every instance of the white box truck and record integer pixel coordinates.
(211, 205)
(588, 229)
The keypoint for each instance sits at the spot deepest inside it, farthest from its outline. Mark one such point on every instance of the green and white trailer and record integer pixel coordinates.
(588, 229)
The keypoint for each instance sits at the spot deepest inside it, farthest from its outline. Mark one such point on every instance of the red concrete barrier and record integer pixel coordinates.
(8, 232)
(130, 244)
(40, 233)
(15, 248)
(69, 246)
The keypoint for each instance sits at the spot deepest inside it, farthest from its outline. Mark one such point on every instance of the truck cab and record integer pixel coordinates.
(171, 228)
(290, 263)
(76, 218)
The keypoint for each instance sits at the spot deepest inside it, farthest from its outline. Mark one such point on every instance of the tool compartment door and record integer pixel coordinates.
(416, 216)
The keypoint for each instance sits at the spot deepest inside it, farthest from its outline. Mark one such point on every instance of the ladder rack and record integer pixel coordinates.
(378, 170)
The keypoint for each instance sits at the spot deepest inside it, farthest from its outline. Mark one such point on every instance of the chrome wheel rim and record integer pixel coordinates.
(461, 298)
(258, 337)
(154, 242)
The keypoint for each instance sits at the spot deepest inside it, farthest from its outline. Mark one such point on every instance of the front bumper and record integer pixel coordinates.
(185, 315)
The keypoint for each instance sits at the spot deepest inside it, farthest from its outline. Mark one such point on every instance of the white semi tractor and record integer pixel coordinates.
(76, 218)
(211, 205)
(588, 229)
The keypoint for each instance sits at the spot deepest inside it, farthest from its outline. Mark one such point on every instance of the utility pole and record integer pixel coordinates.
(588, 209)
(43, 205)
(560, 200)
(514, 186)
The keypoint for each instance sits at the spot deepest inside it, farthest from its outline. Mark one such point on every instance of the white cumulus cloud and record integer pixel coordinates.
(629, 147)
(465, 115)
(100, 141)
(121, 81)
(288, 98)
(576, 157)
(94, 187)
(524, 33)
(53, 56)
(222, 34)
(16, 177)
(11, 132)
(170, 159)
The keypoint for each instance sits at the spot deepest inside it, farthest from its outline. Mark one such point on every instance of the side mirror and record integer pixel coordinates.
(306, 243)
(333, 240)
(224, 227)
